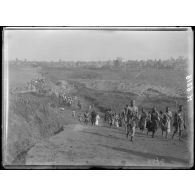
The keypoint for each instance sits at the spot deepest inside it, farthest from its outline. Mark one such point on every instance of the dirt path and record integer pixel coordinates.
(95, 146)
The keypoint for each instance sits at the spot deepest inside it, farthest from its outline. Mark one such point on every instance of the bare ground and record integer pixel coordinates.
(103, 146)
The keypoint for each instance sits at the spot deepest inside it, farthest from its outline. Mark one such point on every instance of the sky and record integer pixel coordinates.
(74, 45)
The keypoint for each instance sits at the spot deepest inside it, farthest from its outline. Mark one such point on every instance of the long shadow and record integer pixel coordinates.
(157, 137)
(118, 131)
(94, 133)
(167, 159)
(137, 134)
(114, 129)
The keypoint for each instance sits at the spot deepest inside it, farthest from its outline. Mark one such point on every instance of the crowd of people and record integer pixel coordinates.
(36, 84)
(151, 121)
(66, 99)
(131, 119)
(87, 117)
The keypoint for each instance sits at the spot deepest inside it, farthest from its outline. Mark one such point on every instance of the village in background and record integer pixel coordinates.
(119, 62)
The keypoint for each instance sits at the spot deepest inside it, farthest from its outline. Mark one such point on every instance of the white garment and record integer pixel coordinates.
(169, 116)
(117, 124)
(97, 119)
(169, 127)
(73, 113)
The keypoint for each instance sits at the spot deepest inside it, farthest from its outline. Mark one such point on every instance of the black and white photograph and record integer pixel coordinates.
(98, 97)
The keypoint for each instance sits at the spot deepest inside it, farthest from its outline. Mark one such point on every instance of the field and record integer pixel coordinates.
(40, 132)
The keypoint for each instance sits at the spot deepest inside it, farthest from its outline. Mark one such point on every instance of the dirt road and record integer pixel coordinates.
(96, 146)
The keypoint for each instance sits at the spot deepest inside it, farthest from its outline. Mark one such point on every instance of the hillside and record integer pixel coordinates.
(169, 82)
(42, 130)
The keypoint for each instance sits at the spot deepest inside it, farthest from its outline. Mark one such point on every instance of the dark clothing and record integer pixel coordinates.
(154, 119)
(179, 121)
(86, 117)
(93, 117)
(152, 122)
(154, 116)
(142, 121)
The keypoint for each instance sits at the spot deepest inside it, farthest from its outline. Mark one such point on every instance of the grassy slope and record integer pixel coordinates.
(30, 117)
(171, 79)
(104, 95)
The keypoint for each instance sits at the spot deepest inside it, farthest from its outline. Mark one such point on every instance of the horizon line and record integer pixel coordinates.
(62, 60)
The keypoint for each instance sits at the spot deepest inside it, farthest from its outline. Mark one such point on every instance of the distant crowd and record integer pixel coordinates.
(89, 116)
(66, 99)
(36, 84)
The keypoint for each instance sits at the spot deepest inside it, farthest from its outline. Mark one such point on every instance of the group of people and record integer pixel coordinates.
(36, 84)
(66, 99)
(88, 116)
(131, 119)
(151, 121)
(113, 118)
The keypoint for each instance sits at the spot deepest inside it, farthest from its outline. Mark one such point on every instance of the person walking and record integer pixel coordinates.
(179, 122)
(142, 121)
(132, 117)
(154, 120)
(74, 114)
(97, 120)
(86, 117)
(166, 121)
(79, 104)
(117, 120)
(125, 112)
(93, 117)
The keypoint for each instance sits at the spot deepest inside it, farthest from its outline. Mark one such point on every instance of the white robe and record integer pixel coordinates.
(97, 120)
